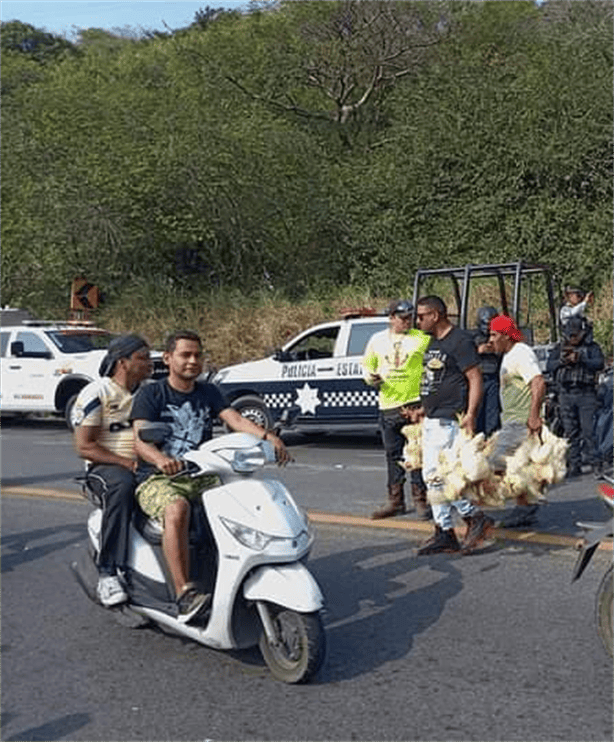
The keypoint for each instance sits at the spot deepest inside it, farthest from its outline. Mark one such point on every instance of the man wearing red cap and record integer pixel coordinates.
(522, 394)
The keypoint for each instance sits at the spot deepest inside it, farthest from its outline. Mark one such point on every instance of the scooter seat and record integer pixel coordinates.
(149, 528)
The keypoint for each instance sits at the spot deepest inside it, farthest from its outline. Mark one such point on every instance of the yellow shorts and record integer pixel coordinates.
(155, 493)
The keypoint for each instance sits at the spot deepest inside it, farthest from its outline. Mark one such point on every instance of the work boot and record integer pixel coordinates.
(395, 504)
(418, 496)
(442, 541)
(479, 527)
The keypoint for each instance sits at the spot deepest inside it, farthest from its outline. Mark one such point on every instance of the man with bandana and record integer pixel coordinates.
(103, 436)
(522, 394)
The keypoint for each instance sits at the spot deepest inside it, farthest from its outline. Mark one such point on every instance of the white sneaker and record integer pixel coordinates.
(110, 591)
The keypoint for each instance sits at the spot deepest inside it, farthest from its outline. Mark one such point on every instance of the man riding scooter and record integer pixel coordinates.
(189, 406)
(103, 436)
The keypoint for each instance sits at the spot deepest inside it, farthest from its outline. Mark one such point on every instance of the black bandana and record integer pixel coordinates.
(120, 347)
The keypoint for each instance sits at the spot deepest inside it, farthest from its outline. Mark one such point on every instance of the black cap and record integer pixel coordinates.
(402, 307)
(120, 347)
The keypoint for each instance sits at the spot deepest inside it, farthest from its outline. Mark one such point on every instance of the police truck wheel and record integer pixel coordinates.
(254, 409)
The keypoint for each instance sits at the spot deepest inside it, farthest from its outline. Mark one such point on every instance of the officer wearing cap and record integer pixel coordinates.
(574, 365)
(392, 363)
(576, 303)
(103, 437)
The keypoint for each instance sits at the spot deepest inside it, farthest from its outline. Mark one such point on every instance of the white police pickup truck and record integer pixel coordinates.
(318, 371)
(44, 365)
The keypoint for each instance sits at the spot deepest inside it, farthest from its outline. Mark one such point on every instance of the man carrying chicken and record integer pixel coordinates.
(451, 389)
(522, 393)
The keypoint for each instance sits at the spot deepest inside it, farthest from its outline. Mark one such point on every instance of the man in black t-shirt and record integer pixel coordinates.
(189, 407)
(451, 388)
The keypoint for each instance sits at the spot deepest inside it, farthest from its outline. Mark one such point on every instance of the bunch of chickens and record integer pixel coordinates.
(467, 471)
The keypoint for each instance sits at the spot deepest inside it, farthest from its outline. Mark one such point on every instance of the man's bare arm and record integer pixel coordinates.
(153, 455)
(474, 396)
(87, 443)
(538, 392)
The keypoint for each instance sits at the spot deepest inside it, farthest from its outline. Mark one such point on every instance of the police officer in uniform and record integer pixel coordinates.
(489, 414)
(574, 365)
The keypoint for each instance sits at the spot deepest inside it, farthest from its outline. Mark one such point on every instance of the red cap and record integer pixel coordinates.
(506, 326)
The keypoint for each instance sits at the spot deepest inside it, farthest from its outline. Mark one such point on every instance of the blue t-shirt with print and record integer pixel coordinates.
(190, 416)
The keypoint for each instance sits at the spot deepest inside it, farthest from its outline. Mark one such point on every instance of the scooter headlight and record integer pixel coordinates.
(250, 537)
(258, 540)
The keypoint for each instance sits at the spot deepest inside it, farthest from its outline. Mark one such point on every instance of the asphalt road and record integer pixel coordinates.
(331, 474)
(496, 646)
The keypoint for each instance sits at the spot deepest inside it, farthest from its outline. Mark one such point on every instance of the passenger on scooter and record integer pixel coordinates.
(103, 436)
(189, 406)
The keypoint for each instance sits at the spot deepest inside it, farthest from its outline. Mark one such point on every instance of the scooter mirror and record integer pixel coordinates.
(155, 433)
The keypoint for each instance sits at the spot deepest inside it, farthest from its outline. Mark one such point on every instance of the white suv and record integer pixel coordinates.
(318, 371)
(44, 365)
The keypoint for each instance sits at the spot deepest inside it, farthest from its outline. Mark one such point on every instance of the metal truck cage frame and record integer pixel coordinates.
(461, 279)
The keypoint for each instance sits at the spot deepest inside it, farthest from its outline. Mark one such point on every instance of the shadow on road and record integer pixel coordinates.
(25, 421)
(52, 730)
(383, 605)
(19, 548)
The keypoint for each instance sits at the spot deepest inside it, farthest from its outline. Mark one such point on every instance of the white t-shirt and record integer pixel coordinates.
(106, 404)
(518, 367)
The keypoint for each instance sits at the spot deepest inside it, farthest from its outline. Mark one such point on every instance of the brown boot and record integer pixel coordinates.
(479, 528)
(395, 504)
(440, 542)
(423, 509)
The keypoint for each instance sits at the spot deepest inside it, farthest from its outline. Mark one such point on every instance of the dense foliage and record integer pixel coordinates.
(305, 146)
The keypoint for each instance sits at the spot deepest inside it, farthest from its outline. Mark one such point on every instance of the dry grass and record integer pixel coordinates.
(236, 329)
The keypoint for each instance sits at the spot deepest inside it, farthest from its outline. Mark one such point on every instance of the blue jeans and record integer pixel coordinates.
(438, 435)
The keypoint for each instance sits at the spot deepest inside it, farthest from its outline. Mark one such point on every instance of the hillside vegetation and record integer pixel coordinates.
(256, 172)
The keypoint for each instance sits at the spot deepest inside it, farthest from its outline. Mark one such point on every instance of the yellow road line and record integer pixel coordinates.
(532, 537)
(41, 493)
(547, 539)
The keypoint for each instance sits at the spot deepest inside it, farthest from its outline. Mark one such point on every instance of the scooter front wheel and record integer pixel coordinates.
(604, 610)
(299, 648)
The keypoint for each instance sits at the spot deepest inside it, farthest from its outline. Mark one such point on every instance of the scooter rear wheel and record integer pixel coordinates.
(301, 645)
(604, 610)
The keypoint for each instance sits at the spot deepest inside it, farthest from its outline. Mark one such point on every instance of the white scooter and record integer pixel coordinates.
(248, 544)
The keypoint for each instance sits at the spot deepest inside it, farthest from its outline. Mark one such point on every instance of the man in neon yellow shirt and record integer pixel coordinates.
(393, 364)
